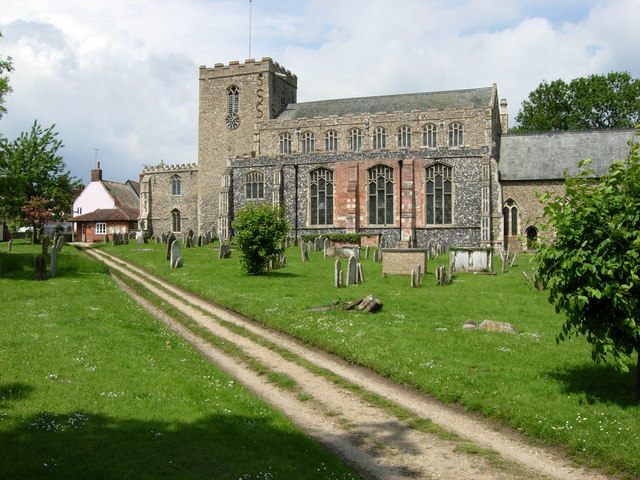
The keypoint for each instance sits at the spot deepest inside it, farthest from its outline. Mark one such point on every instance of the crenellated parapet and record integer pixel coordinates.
(249, 67)
(162, 168)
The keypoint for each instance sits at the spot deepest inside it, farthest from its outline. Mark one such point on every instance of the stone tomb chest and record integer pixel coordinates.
(471, 259)
(401, 261)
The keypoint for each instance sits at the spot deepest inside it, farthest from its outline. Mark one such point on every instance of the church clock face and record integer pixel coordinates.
(233, 121)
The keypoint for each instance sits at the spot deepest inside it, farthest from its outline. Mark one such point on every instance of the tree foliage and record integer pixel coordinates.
(30, 167)
(594, 102)
(259, 229)
(6, 65)
(593, 260)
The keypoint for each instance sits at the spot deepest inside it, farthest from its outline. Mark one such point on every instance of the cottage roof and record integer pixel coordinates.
(455, 99)
(549, 155)
(108, 214)
(123, 194)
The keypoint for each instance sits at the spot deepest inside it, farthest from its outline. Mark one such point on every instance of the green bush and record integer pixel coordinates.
(259, 231)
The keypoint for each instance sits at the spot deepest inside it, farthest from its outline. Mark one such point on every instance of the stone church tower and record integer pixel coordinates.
(234, 98)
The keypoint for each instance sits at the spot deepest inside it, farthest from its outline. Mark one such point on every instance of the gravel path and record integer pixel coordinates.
(375, 443)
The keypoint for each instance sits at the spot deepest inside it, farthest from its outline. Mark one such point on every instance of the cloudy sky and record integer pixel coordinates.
(121, 76)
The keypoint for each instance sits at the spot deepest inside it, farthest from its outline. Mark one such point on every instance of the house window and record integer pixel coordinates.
(429, 135)
(233, 99)
(379, 138)
(285, 144)
(175, 221)
(510, 215)
(254, 185)
(380, 195)
(308, 142)
(321, 197)
(439, 195)
(176, 185)
(331, 141)
(404, 137)
(355, 139)
(101, 228)
(455, 134)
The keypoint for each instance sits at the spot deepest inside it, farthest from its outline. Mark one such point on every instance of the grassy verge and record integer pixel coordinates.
(552, 393)
(91, 386)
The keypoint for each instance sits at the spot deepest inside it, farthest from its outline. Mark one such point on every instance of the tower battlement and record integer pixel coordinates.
(249, 67)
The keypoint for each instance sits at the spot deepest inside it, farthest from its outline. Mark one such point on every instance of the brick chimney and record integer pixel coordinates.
(96, 175)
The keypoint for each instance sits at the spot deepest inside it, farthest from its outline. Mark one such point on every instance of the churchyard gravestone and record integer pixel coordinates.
(317, 244)
(170, 239)
(59, 243)
(45, 245)
(352, 271)
(53, 264)
(176, 260)
(338, 274)
(225, 251)
(10, 244)
(40, 267)
(325, 246)
(304, 251)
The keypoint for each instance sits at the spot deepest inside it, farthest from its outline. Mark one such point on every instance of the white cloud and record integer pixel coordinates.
(122, 76)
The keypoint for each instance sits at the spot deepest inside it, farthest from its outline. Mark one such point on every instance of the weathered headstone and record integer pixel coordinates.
(59, 243)
(53, 265)
(175, 253)
(338, 274)
(360, 273)
(45, 245)
(352, 271)
(366, 252)
(413, 278)
(40, 266)
(318, 244)
(304, 250)
(325, 246)
(225, 251)
(10, 244)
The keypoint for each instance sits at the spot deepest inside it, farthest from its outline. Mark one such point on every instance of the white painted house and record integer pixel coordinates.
(105, 207)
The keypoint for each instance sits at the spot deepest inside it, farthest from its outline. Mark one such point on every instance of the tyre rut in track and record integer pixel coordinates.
(374, 442)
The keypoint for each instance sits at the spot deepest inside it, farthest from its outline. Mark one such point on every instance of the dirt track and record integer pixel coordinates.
(372, 441)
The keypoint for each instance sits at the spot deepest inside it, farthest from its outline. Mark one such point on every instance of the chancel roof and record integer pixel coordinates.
(453, 99)
(551, 155)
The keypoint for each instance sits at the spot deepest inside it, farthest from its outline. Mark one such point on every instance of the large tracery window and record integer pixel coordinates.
(455, 134)
(308, 142)
(404, 137)
(176, 185)
(254, 185)
(233, 99)
(355, 139)
(429, 135)
(380, 183)
(439, 195)
(331, 141)
(379, 138)
(284, 143)
(510, 214)
(321, 197)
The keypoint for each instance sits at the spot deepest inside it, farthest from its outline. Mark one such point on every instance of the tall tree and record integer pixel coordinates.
(6, 65)
(31, 167)
(594, 102)
(592, 262)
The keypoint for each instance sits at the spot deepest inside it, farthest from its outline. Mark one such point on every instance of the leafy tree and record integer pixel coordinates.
(593, 260)
(30, 167)
(36, 212)
(6, 65)
(259, 229)
(594, 102)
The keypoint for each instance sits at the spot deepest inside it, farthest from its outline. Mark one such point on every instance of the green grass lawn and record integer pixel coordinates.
(552, 393)
(91, 386)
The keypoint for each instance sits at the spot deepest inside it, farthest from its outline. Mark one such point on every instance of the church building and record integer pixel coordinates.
(415, 169)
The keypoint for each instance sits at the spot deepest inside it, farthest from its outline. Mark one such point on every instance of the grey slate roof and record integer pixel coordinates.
(547, 156)
(457, 99)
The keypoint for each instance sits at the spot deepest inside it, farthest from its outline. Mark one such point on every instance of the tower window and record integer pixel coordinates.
(176, 185)
(308, 142)
(175, 220)
(233, 99)
(455, 134)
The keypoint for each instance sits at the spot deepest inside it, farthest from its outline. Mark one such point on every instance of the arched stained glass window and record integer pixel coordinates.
(380, 193)
(321, 197)
(439, 195)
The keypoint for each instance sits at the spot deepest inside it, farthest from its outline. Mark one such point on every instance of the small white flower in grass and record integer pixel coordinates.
(504, 349)
(52, 376)
(94, 308)
(441, 329)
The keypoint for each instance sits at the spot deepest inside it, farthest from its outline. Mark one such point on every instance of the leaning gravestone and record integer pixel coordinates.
(352, 271)
(304, 250)
(59, 243)
(170, 239)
